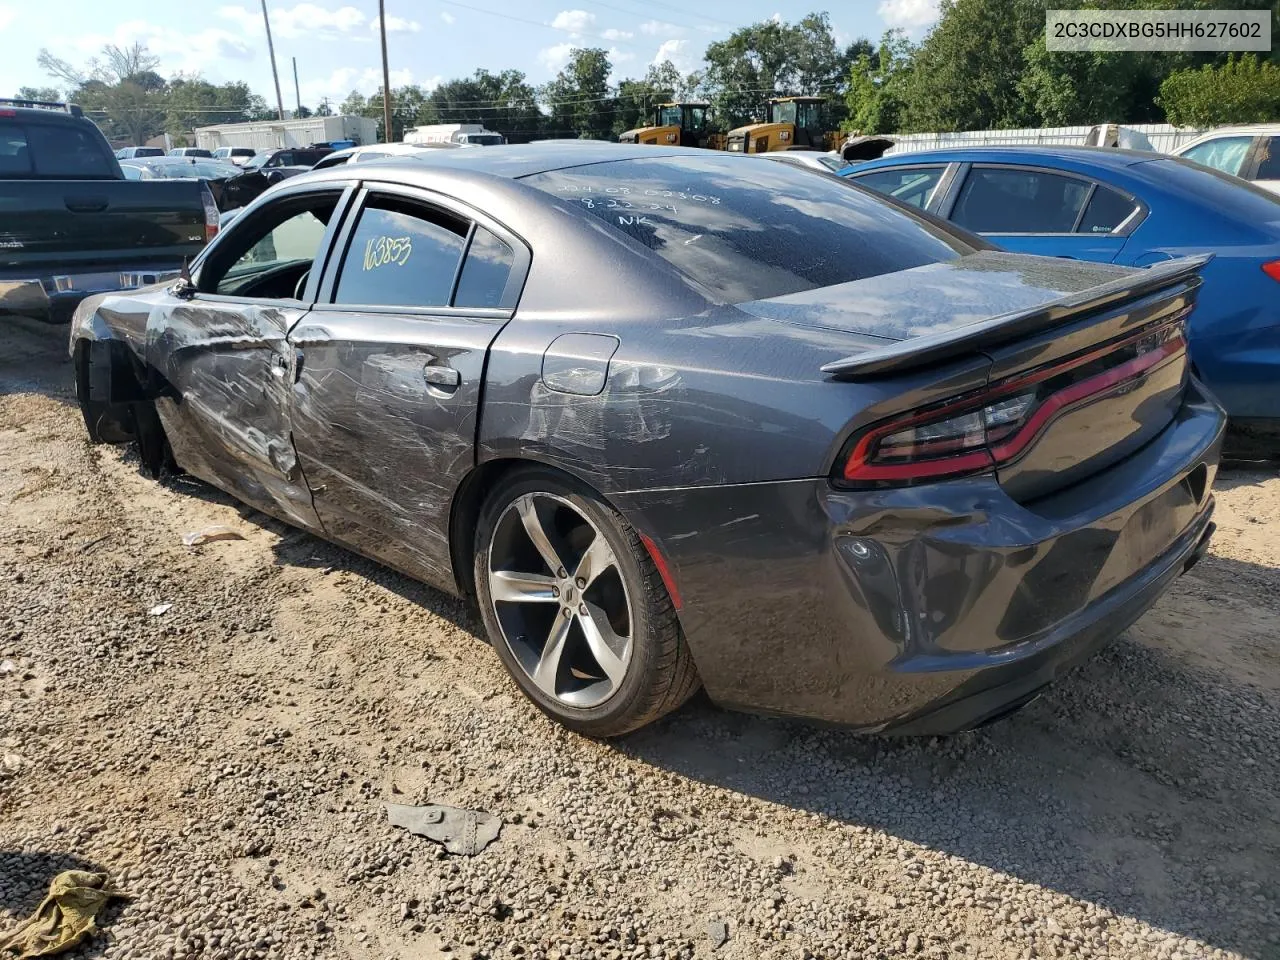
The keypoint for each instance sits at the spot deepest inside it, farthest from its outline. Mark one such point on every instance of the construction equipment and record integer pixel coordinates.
(794, 123)
(682, 124)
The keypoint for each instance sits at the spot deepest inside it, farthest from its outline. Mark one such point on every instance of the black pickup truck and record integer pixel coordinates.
(71, 225)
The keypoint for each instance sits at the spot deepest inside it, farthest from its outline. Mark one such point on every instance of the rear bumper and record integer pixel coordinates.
(55, 296)
(929, 609)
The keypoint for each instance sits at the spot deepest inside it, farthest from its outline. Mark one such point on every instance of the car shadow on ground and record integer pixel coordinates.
(25, 876)
(1139, 783)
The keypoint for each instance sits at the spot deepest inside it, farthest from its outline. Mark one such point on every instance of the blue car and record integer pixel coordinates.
(1132, 208)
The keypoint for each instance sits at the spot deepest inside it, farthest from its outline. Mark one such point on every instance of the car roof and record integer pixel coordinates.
(1106, 157)
(527, 159)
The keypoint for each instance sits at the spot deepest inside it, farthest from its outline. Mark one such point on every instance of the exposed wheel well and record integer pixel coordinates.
(472, 492)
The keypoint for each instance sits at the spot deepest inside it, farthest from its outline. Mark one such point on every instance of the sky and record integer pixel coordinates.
(336, 41)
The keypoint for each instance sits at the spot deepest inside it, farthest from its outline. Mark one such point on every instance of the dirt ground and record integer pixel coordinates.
(227, 759)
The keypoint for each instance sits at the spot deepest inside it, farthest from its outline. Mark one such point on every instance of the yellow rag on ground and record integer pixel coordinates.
(65, 918)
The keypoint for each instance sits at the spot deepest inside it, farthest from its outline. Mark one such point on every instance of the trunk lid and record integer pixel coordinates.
(1087, 362)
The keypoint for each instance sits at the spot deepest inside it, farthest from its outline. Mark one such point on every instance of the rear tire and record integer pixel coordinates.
(602, 659)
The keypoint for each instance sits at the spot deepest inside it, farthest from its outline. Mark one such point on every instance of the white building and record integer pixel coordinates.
(273, 134)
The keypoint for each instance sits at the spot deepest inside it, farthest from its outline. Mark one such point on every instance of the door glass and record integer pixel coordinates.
(913, 186)
(402, 254)
(1269, 162)
(1225, 153)
(1106, 211)
(1005, 200)
(270, 256)
(484, 275)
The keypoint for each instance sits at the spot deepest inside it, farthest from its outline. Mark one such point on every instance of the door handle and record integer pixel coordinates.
(442, 377)
(86, 204)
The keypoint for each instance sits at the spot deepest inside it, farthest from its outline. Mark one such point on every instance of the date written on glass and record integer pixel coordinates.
(638, 194)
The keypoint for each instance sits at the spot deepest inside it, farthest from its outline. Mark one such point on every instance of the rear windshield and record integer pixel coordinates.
(1219, 190)
(55, 150)
(747, 230)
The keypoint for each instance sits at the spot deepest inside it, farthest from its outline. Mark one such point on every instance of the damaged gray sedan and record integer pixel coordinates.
(676, 418)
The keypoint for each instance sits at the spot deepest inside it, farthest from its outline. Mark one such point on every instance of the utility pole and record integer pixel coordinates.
(297, 91)
(386, 72)
(271, 50)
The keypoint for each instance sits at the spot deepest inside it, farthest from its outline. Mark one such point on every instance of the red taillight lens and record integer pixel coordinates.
(211, 221)
(1272, 269)
(979, 431)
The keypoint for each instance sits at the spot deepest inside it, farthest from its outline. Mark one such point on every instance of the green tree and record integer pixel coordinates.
(1242, 90)
(194, 102)
(504, 102)
(966, 73)
(48, 94)
(579, 100)
(877, 86)
(636, 99)
(120, 88)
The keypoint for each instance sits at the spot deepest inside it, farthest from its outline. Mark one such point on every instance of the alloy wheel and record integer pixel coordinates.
(560, 600)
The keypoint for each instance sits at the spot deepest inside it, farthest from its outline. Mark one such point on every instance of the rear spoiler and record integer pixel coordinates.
(968, 338)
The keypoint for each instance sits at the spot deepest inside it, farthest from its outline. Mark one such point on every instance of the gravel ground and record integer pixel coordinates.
(228, 760)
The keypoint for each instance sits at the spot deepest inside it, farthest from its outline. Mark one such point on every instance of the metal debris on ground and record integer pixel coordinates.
(718, 933)
(464, 832)
(160, 609)
(65, 918)
(219, 531)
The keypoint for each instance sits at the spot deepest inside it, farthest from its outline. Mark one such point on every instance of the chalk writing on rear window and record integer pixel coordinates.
(381, 251)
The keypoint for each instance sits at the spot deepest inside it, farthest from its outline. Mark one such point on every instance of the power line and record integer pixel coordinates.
(532, 23)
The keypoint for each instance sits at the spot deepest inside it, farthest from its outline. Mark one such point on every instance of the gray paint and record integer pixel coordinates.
(712, 428)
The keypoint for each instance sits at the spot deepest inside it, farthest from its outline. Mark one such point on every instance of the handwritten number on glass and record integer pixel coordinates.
(380, 251)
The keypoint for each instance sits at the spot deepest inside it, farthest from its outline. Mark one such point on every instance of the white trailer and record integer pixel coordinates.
(467, 134)
(274, 134)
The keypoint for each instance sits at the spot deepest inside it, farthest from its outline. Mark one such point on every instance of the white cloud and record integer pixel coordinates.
(679, 52)
(655, 27)
(908, 14)
(396, 25)
(209, 50)
(620, 56)
(7, 15)
(612, 34)
(448, 18)
(555, 58)
(573, 22)
(302, 20)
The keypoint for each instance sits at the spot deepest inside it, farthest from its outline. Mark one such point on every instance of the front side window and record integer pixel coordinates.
(669, 117)
(270, 256)
(746, 230)
(784, 112)
(403, 254)
(1225, 153)
(1008, 200)
(914, 186)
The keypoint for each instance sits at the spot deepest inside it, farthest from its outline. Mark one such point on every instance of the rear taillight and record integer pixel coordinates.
(1272, 269)
(979, 431)
(210, 213)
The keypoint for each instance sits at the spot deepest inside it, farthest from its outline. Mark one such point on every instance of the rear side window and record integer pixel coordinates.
(402, 254)
(55, 150)
(1106, 211)
(747, 230)
(913, 186)
(1008, 200)
(1269, 160)
(485, 274)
